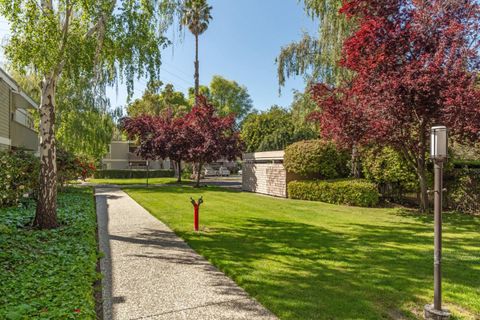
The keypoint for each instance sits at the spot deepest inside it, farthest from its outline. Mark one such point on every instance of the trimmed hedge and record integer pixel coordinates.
(126, 174)
(354, 192)
(470, 164)
(316, 159)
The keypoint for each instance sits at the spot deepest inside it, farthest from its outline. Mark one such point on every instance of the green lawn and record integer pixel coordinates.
(311, 260)
(49, 274)
(133, 181)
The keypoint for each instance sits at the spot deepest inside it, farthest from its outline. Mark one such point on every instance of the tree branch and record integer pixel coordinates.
(66, 24)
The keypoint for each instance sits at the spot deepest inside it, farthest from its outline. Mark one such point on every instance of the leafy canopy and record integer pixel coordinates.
(227, 96)
(102, 40)
(156, 99)
(196, 16)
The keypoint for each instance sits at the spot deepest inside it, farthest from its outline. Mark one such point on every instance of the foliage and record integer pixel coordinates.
(72, 167)
(463, 190)
(100, 41)
(301, 109)
(270, 130)
(84, 127)
(387, 168)
(19, 175)
(313, 260)
(210, 137)
(157, 99)
(196, 16)
(318, 56)
(49, 274)
(473, 164)
(134, 181)
(160, 137)
(128, 174)
(315, 159)
(415, 65)
(227, 96)
(354, 192)
(67, 166)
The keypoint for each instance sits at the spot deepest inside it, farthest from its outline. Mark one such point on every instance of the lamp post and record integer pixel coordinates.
(439, 154)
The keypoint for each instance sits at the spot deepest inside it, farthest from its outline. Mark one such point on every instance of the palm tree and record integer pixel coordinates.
(196, 16)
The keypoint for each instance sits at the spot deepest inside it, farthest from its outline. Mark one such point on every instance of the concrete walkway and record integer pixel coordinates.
(150, 273)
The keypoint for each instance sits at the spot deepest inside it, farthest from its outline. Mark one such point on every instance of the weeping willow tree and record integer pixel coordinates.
(85, 127)
(316, 57)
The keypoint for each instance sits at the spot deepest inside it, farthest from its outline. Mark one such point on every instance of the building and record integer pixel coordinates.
(16, 124)
(121, 156)
(263, 172)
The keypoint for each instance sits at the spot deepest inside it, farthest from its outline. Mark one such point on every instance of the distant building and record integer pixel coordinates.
(122, 156)
(16, 125)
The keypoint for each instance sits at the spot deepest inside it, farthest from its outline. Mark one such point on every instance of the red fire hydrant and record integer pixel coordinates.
(196, 208)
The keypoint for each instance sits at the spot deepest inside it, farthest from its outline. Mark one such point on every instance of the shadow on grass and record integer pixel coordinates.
(317, 273)
(365, 271)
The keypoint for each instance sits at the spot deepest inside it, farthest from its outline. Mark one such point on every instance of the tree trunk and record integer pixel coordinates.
(422, 179)
(355, 171)
(199, 174)
(179, 168)
(421, 169)
(196, 76)
(46, 212)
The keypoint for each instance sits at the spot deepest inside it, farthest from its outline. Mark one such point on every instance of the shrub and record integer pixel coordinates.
(463, 191)
(18, 176)
(67, 167)
(354, 192)
(316, 159)
(386, 168)
(126, 174)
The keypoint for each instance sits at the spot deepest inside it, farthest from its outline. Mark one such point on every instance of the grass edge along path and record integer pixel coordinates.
(312, 260)
(49, 274)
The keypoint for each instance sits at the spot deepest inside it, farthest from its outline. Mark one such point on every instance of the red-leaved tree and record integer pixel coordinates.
(415, 65)
(342, 120)
(159, 137)
(211, 137)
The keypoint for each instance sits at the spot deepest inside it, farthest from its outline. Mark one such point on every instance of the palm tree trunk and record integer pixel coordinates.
(196, 76)
(46, 212)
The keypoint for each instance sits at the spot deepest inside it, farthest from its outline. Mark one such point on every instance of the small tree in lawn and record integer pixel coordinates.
(96, 39)
(160, 137)
(415, 65)
(210, 137)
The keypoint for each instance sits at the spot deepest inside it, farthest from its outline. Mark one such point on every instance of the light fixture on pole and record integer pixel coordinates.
(439, 154)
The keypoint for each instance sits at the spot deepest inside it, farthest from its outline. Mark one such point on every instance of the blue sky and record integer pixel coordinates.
(240, 44)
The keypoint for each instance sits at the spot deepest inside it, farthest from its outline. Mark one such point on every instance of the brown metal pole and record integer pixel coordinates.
(437, 264)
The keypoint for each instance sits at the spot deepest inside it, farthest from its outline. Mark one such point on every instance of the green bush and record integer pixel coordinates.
(49, 274)
(354, 192)
(388, 170)
(126, 174)
(18, 176)
(463, 190)
(316, 159)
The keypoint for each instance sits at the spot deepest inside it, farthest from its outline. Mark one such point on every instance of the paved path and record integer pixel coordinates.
(150, 273)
